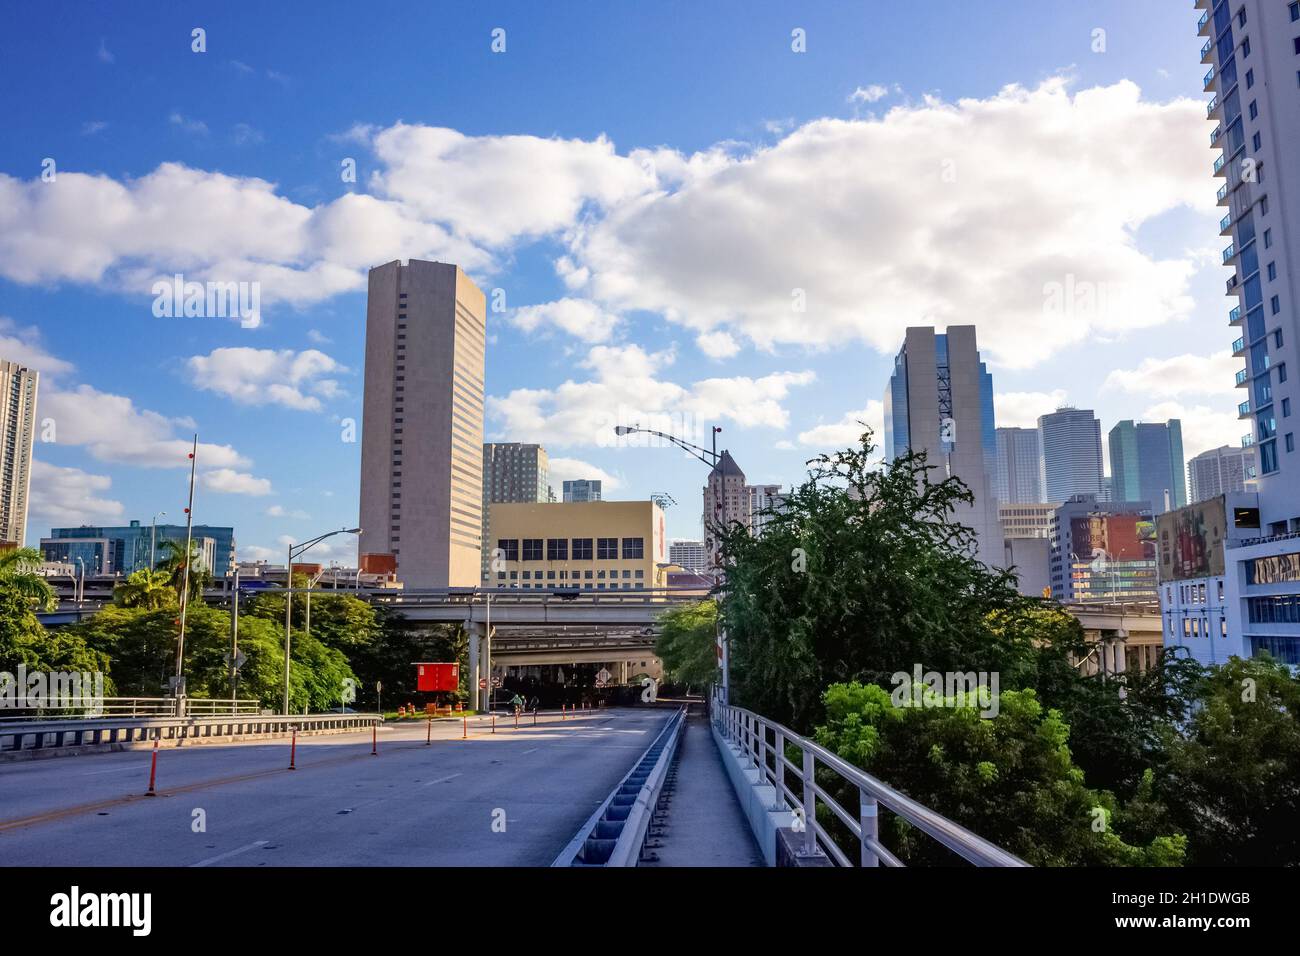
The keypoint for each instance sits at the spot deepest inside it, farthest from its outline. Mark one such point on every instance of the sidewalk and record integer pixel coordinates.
(706, 826)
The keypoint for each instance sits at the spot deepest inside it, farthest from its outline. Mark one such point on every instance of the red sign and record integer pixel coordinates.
(433, 677)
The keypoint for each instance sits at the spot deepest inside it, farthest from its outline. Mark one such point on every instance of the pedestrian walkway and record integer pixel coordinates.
(704, 825)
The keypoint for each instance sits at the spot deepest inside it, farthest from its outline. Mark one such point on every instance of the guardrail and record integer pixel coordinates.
(80, 732)
(751, 733)
(137, 707)
(615, 833)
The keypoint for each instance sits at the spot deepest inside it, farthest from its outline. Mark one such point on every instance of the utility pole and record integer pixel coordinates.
(179, 688)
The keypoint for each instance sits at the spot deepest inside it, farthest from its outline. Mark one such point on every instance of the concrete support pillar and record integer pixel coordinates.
(475, 632)
(622, 672)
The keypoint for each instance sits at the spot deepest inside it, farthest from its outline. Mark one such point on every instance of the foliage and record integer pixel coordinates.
(146, 589)
(1009, 778)
(172, 562)
(687, 643)
(23, 641)
(18, 568)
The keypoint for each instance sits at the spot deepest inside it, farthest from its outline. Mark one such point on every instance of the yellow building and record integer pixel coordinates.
(588, 545)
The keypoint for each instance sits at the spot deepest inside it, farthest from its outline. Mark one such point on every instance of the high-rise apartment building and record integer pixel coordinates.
(765, 501)
(511, 472)
(1071, 445)
(1018, 471)
(422, 435)
(1252, 48)
(1220, 471)
(581, 489)
(691, 555)
(1147, 464)
(940, 401)
(17, 429)
(726, 502)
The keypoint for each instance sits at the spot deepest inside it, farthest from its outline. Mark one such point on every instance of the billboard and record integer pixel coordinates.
(1129, 536)
(434, 676)
(1191, 540)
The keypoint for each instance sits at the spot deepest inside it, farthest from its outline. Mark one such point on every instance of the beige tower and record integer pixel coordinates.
(17, 427)
(422, 431)
(726, 502)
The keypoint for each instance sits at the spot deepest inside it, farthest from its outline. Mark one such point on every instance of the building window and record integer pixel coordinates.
(1277, 338)
(607, 549)
(557, 549)
(1295, 11)
(1289, 441)
(1245, 48)
(1275, 304)
(582, 550)
(1286, 408)
(1255, 141)
(1250, 79)
(509, 548)
(1281, 373)
(1241, 17)
(1272, 271)
(1268, 238)
(633, 548)
(586, 576)
(1254, 109)
(532, 549)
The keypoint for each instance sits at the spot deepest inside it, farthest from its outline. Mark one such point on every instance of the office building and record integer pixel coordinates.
(17, 429)
(1027, 520)
(1191, 544)
(124, 549)
(421, 509)
(1031, 560)
(511, 472)
(1103, 552)
(691, 555)
(1254, 73)
(1018, 469)
(589, 545)
(726, 502)
(1147, 464)
(582, 489)
(1071, 447)
(1220, 471)
(940, 401)
(765, 501)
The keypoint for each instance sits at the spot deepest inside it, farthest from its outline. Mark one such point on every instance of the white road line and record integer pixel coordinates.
(225, 856)
(451, 776)
(531, 750)
(95, 773)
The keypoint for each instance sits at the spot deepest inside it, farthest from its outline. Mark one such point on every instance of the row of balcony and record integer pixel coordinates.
(1209, 80)
(1229, 252)
(1243, 409)
(1214, 105)
(1247, 440)
(1239, 346)
(1219, 164)
(1234, 316)
(1202, 25)
(1242, 375)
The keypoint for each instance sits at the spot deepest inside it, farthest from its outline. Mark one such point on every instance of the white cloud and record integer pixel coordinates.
(91, 127)
(188, 124)
(869, 94)
(578, 317)
(718, 345)
(266, 376)
(227, 481)
(1021, 409)
(572, 469)
(69, 496)
(627, 389)
(1179, 375)
(279, 511)
(112, 429)
(318, 337)
(22, 344)
(846, 432)
(103, 54)
(1203, 427)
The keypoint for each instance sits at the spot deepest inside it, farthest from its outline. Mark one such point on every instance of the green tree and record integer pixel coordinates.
(146, 589)
(23, 641)
(687, 643)
(172, 562)
(1009, 777)
(18, 567)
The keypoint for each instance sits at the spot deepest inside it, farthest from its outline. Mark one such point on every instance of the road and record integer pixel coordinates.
(513, 798)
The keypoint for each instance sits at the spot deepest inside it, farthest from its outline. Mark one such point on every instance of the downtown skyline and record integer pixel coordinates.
(577, 208)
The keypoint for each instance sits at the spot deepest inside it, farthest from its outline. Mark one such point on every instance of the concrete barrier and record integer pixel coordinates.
(53, 738)
(758, 798)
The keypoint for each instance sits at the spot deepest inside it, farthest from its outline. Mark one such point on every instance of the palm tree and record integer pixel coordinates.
(147, 589)
(172, 563)
(18, 570)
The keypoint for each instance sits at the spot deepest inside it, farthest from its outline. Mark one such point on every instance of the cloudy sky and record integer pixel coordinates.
(685, 220)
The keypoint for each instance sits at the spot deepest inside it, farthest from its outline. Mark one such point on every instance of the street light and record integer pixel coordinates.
(712, 458)
(153, 538)
(294, 551)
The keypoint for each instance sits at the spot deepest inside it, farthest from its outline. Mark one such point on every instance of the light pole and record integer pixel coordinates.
(294, 551)
(79, 590)
(153, 538)
(713, 459)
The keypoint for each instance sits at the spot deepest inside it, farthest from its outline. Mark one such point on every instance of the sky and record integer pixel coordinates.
(682, 214)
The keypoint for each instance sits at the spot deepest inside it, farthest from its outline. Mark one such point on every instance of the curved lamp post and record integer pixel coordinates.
(295, 551)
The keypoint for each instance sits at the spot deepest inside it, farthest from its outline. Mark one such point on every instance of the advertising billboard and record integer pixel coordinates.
(1129, 536)
(1191, 540)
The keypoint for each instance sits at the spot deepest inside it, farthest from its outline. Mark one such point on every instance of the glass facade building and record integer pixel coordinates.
(1071, 446)
(1146, 463)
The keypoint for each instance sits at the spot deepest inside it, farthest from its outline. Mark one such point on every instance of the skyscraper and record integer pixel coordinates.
(764, 502)
(511, 472)
(1071, 443)
(422, 436)
(582, 489)
(726, 502)
(1251, 48)
(940, 401)
(1146, 463)
(1220, 471)
(1103, 553)
(690, 555)
(1018, 468)
(17, 429)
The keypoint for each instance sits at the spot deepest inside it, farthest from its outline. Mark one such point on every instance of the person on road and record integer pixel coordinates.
(517, 703)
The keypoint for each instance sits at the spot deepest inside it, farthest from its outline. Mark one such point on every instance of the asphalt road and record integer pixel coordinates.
(513, 798)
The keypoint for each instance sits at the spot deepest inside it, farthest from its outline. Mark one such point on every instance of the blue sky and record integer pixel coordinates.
(651, 186)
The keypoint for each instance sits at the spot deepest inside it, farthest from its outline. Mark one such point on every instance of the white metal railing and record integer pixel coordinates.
(763, 742)
(136, 707)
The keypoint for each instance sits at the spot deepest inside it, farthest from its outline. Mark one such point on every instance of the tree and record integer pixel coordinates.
(146, 589)
(24, 642)
(687, 643)
(18, 567)
(1008, 778)
(173, 563)
(864, 573)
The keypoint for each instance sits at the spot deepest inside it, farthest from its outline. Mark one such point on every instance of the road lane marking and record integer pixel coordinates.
(451, 776)
(531, 750)
(225, 856)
